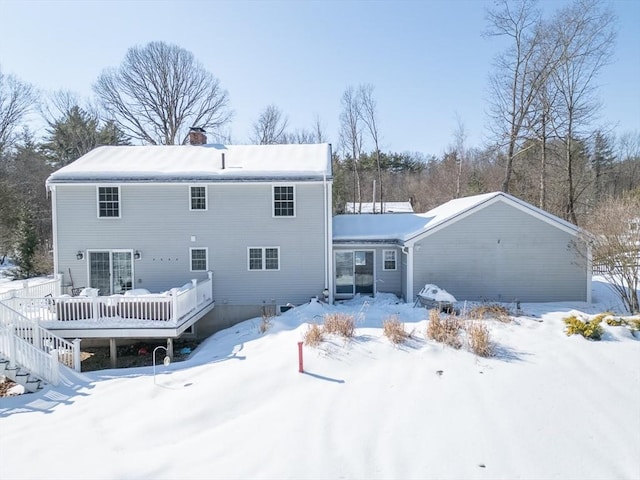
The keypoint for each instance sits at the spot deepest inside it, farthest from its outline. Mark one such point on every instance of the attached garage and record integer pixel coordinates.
(491, 247)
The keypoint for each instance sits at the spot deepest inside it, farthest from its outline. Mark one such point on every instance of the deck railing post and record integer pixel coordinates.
(12, 345)
(58, 287)
(25, 287)
(55, 367)
(210, 274)
(174, 307)
(194, 287)
(76, 355)
(95, 313)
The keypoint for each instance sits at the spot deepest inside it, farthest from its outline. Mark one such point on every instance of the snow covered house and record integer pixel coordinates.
(256, 218)
(491, 247)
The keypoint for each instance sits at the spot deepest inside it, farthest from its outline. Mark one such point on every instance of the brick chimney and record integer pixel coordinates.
(197, 136)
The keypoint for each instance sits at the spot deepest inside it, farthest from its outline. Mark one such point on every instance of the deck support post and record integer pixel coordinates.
(170, 348)
(114, 353)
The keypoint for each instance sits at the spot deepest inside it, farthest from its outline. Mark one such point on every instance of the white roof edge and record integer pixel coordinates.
(526, 207)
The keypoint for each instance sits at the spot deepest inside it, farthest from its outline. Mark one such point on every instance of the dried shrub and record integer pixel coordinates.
(590, 329)
(393, 329)
(268, 312)
(479, 339)
(490, 310)
(444, 330)
(341, 324)
(313, 336)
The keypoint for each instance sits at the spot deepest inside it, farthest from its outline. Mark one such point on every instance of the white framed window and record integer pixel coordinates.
(197, 197)
(263, 258)
(284, 204)
(389, 260)
(199, 259)
(108, 202)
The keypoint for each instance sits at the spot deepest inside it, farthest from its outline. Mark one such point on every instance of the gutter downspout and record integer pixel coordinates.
(54, 225)
(410, 295)
(328, 234)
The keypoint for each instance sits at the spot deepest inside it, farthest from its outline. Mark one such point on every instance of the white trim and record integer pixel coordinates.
(206, 253)
(273, 200)
(395, 260)
(98, 187)
(263, 259)
(589, 272)
(410, 295)
(206, 198)
(54, 233)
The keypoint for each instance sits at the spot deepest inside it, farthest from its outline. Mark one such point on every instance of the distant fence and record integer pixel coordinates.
(603, 269)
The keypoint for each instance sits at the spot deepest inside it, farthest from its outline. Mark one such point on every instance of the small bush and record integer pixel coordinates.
(313, 336)
(497, 311)
(634, 323)
(393, 329)
(590, 329)
(479, 339)
(340, 324)
(268, 312)
(444, 330)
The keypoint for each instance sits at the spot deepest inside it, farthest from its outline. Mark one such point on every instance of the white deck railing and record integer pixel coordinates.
(173, 307)
(25, 344)
(26, 289)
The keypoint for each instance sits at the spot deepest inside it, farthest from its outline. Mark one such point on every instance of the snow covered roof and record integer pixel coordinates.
(405, 227)
(171, 163)
(369, 207)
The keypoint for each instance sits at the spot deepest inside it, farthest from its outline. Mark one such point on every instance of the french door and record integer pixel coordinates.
(354, 272)
(111, 271)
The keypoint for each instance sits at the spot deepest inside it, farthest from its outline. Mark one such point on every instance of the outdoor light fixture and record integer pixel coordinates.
(136, 255)
(79, 255)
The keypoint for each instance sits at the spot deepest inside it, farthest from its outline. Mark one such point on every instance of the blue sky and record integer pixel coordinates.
(427, 59)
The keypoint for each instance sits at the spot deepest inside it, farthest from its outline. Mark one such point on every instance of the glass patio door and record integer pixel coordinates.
(354, 272)
(111, 271)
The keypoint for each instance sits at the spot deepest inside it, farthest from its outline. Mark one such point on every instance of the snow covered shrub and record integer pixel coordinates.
(340, 323)
(444, 330)
(490, 310)
(313, 336)
(393, 329)
(479, 339)
(590, 329)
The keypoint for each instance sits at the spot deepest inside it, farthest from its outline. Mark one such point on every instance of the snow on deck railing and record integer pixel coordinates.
(172, 307)
(27, 289)
(27, 345)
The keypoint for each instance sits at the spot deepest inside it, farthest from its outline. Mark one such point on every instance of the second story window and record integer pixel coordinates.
(199, 259)
(109, 202)
(284, 201)
(197, 198)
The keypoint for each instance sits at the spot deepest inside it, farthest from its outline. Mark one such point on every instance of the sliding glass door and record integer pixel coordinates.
(111, 271)
(354, 272)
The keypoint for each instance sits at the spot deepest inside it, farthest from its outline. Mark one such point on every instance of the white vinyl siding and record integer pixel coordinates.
(284, 201)
(108, 202)
(198, 197)
(199, 259)
(389, 260)
(264, 258)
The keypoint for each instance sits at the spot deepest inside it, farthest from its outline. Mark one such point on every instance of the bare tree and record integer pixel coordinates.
(351, 135)
(369, 114)
(270, 128)
(586, 35)
(17, 99)
(615, 239)
(159, 91)
(518, 75)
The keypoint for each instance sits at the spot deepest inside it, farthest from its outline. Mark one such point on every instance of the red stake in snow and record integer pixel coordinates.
(300, 368)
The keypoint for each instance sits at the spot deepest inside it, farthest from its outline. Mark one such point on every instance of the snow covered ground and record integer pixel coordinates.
(546, 406)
